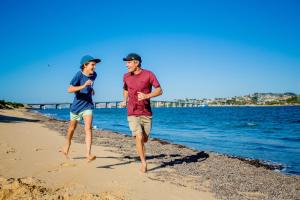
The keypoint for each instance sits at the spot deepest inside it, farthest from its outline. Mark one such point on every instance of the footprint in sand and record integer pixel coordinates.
(68, 164)
(38, 149)
(10, 150)
(53, 170)
(63, 165)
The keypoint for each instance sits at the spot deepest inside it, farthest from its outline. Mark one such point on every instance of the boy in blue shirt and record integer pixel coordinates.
(82, 106)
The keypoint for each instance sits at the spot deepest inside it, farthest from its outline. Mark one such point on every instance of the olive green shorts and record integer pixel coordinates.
(140, 124)
(80, 115)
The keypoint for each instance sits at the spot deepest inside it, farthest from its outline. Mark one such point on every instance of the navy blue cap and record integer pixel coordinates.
(132, 56)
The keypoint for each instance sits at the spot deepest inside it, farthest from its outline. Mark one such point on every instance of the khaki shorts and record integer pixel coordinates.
(80, 115)
(140, 124)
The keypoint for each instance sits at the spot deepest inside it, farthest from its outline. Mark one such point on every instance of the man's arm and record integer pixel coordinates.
(73, 89)
(124, 102)
(157, 92)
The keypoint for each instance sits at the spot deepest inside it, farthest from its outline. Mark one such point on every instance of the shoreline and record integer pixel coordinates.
(267, 164)
(184, 168)
(227, 177)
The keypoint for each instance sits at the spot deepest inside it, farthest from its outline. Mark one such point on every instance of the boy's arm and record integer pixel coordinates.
(157, 92)
(73, 89)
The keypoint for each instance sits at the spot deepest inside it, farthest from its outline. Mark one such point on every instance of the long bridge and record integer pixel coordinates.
(116, 104)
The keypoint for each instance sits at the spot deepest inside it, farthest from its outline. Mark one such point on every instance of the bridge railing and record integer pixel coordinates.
(116, 104)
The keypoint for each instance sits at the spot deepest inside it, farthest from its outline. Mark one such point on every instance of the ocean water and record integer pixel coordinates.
(271, 134)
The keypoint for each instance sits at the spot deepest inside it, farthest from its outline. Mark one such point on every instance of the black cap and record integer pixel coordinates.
(132, 56)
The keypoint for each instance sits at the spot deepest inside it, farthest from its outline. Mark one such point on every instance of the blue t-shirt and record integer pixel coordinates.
(83, 98)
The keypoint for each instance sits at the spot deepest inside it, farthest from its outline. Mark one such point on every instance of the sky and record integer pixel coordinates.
(196, 48)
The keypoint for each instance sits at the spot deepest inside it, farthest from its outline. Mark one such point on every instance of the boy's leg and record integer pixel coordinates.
(71, 129)
(88, 119)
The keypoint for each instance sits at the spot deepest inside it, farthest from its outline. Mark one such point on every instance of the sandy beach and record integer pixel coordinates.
(32, 168)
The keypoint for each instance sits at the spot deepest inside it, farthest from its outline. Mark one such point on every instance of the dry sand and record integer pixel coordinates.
(32, 168)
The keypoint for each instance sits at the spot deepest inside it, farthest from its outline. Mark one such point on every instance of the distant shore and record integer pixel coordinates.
(254, 105)
(246, 105)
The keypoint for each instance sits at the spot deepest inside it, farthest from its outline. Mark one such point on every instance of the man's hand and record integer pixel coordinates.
(123, 104)
(142, 96)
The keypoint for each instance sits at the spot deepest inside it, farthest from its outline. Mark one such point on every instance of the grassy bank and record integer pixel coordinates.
(10, 105)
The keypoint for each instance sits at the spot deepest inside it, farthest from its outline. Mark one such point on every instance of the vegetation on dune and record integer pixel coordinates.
(10, 105)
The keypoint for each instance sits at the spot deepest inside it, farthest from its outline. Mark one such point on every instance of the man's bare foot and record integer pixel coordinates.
(90, 158)
(64, 152)
(144, 167)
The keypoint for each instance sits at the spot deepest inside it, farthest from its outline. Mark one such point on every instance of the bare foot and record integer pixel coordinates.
(144, 167)
(90, 158)
(62, 150)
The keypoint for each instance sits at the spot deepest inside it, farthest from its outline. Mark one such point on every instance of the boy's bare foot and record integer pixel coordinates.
(64, 152)
(144, 167)
(90, 158)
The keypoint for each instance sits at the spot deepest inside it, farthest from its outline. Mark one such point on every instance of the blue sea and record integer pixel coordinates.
(271, 134)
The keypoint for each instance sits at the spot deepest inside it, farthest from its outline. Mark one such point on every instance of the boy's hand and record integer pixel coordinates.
(142, 96)
(87, 83)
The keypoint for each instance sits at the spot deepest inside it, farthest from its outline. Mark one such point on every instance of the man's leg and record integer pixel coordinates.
(145, 140)
(146, 125)
(140, 148)
(137, 131)
(71, 129)
(88, 118)
(145, 136)
(146, 122)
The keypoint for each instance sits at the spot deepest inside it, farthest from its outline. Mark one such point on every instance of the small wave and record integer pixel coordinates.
(34, 111)
(260, 163)
(292, 172)
(52, 116)
(251, 124)
(263, 149)
(246, 125)
(119, 125)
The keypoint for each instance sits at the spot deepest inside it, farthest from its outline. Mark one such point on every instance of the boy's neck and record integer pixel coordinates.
(85, 73)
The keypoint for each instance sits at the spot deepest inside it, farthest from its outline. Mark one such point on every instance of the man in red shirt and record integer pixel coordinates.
(137, 92)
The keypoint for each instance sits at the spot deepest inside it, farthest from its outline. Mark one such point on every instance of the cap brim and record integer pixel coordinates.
(96, 60)
(127, 59)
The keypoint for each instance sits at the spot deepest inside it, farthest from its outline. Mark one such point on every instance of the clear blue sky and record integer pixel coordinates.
(197, 49)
